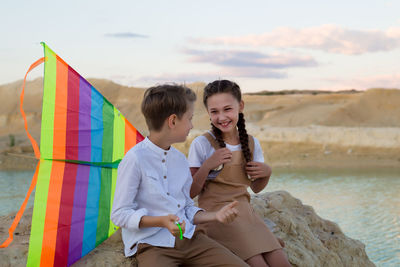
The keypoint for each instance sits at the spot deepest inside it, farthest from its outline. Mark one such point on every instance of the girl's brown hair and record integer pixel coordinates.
(226, 86)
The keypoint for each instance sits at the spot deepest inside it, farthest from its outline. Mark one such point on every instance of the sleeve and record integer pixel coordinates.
(125, 212)
(190, 208)
(258, 153)
(197, 154)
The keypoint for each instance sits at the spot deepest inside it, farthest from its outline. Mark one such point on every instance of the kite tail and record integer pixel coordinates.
(34, 144)
(37, 155)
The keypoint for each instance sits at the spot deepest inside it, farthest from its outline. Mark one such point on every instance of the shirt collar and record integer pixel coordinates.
(158, 150)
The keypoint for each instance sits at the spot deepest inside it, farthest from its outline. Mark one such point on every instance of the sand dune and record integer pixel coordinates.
(364, 119)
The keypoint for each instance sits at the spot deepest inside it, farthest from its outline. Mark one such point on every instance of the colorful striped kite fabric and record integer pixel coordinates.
(83, 138)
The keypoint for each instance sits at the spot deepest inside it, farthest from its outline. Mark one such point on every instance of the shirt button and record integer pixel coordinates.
(165, 153)
(163, 160)
(179, 206)
(165, 177)
(168, 194)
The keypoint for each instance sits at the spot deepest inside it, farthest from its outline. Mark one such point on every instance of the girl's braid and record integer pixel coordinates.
(244, 138)
(218, 136)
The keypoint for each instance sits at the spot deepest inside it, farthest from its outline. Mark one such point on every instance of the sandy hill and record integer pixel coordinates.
(372, 108)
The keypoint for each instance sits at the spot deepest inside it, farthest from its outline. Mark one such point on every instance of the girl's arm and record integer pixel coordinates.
(225, 215)
(220, 156)
(261, 173)
(199, 178)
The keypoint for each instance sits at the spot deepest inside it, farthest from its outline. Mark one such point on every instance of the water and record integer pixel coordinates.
(13, 188)
(365, 203)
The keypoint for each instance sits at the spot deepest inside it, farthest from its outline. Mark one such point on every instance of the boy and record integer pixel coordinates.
(152, 191)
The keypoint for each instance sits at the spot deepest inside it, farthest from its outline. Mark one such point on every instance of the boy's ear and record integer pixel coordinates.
(172, 121)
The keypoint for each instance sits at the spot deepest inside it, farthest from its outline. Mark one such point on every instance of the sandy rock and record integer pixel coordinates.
(310, 240)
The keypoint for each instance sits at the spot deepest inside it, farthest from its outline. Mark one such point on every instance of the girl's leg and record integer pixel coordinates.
(276, 258)
(257, 261)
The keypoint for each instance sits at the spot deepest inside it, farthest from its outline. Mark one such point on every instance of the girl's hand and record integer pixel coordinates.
(258, 170)
(169, 223)
(227, 213)
(220, 156)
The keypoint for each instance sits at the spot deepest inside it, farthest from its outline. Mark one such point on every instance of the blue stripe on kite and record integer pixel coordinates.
(93, 196)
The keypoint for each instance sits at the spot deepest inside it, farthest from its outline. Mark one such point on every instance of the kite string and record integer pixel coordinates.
(37, 154)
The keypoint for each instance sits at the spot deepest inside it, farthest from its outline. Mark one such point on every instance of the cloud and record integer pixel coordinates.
(328, 38)
(230, 65)
(188, 77)
(366, 82)
(208, 76)
(125, 35)
(179, 77)
(249, 59)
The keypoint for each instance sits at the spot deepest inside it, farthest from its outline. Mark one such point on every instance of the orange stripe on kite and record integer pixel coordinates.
(52, 212)
(130, 136)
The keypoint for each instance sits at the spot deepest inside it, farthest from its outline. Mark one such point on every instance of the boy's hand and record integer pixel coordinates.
(257, 170)
(220, 156)
(169, 223)
(227, 213)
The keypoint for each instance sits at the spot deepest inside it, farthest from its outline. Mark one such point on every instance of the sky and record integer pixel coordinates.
(262, 45)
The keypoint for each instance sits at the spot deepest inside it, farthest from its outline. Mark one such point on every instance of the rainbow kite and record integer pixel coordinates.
(83, 138)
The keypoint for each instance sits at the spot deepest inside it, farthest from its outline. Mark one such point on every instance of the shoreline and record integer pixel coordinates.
(292, 155)
(284, 147)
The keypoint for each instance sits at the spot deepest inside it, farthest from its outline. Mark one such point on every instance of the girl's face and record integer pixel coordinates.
(223, 109)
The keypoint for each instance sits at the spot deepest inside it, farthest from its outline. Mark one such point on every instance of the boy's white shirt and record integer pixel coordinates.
(142, 190)
(201, 149)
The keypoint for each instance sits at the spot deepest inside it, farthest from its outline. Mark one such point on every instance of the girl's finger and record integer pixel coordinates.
(235, 211)
(252, 167)
(225, 161)
(259, 175)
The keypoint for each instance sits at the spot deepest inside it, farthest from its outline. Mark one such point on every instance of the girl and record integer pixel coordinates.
(224, 163)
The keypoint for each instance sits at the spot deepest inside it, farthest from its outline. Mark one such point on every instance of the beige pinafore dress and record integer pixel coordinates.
(247, 235)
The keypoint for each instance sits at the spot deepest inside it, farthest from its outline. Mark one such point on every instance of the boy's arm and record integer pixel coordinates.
(163, 221)
(125, 212)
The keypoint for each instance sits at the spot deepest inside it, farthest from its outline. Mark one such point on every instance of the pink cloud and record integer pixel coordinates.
(366, 82)
(328, 38)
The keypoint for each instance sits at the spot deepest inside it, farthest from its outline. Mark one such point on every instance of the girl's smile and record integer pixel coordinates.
(223, 109)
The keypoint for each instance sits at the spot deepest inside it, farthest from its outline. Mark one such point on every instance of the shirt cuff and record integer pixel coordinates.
(134, 220)
(191, 211)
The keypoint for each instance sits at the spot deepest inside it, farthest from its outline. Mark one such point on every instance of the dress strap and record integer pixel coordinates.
(216, 146)
(212, 140)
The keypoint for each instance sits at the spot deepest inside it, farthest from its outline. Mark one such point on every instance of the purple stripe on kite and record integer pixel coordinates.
(72, 134)
(82, 177)
(78, 214)
(85, 100)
